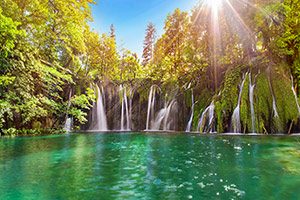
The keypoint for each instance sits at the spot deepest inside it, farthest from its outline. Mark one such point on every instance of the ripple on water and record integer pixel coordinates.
(234, 189)
(238, 148)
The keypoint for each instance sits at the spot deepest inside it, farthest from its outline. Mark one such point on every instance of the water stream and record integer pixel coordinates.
(124, 110)
(251, 98)
(69, 120)
(151, 104)
(206, 120)
(99, 122)
(163, 119)
(189, 125)
(235, 119)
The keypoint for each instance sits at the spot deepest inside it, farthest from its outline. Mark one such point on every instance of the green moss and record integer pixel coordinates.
(245, 113)
(227, 100)
(202, 99)
(286, 104)
(219, 119)
(262, 103)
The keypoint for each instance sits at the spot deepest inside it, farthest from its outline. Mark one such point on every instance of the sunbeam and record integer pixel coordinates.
(214, 4)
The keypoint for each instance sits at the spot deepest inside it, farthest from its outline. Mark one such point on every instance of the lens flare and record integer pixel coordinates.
(213, 4)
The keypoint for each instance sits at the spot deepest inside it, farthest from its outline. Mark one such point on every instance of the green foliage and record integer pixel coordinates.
(12, 132)
(41, 48)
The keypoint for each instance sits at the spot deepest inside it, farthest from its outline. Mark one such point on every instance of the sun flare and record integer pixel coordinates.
(214, 4)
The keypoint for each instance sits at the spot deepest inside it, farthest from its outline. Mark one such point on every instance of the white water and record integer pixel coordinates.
(151, 104)
(167, 120)
(163, 120)
(236, 119)
(124, 109)
(149, 107)
(208, 113)
(189, 125)
(130, 109)
(295, 95)
(68, 124)
(274, 107)
(251, 98)
(155, 126)
(99, 122)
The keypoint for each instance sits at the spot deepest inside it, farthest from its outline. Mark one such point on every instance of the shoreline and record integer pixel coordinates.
(33, 133)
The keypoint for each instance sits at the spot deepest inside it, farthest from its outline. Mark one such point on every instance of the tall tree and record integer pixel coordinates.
(112, 32)
(149, 44)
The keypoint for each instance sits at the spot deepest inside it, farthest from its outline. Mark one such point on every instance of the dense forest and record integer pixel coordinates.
(51, 60)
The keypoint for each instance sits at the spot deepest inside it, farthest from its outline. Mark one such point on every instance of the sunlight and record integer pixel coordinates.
(214, 4)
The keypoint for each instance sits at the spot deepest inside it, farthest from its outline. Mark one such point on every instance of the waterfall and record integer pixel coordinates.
(167, 121)
(295, 95)
(189, 125)
(251, 98)
(151, 104)
(130, 109)
(99, 122)
(274, 106)
(208, 113)
(159, 118)
(68, 124)
(235, 119)
(68, 121)
(163, 118)
(124, 109)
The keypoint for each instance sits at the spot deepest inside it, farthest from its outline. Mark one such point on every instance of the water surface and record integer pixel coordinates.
(149, 166)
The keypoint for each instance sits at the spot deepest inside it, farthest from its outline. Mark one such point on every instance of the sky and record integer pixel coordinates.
(130, 18)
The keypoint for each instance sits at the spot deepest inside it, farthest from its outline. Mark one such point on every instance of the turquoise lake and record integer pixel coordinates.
(149, 166)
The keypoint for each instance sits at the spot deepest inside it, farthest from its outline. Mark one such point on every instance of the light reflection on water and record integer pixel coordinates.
(149, 166)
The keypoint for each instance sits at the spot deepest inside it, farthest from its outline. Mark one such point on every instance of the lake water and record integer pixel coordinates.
(149, 166)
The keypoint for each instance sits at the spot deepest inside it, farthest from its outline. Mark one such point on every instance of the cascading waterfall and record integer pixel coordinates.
(295, 95)
(276, 115)
(208, 113)
(99, 122)
(189, 125)
(130, 108)
(167, 120)
(124, 109)
(251, 98)
(151, 104)
(235, 119)
(274, 106)
(163, 117)
(68, 122)
(157, 121)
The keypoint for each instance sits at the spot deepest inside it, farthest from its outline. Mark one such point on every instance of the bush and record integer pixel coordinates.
(11, 132)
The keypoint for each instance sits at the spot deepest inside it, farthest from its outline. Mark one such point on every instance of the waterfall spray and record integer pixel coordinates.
(251, 98)
(151, 104)
(208, 113)
(235, 119)
(124, 109)
(99, 122)
(68, 121)
(189, 125)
